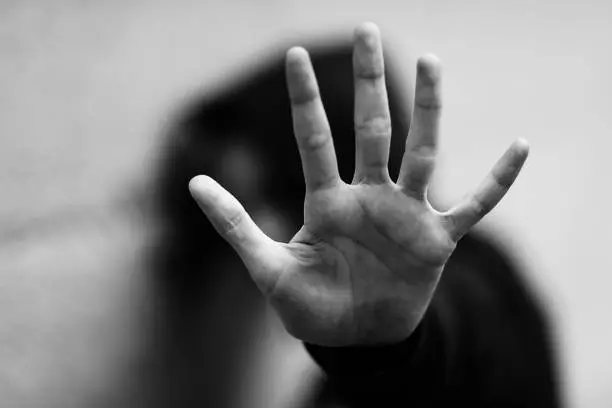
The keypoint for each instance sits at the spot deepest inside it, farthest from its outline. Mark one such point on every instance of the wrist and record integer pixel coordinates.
(367, 362)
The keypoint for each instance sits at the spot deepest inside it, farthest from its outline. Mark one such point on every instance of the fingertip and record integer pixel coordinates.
(301, 81)
(202, 189)
(198, 183)
(368, 34)
(518, 152)
(297, 62)
(429, 67)
(522, 146)
(429, 58)
(368, 59)
(296, 56)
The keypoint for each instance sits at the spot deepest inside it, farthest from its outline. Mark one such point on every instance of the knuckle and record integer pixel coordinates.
(232, 224)
(316, 141)
(372, 71)
(479, 209)
(428, 104)
(428, 98)
(506, 178)
(375, 127)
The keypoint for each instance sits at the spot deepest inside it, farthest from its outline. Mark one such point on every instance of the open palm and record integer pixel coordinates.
(365, 265)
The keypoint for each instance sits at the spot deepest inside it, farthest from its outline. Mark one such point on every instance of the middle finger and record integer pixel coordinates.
(372, 119)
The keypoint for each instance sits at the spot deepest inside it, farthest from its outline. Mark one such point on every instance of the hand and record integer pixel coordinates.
(364, 267)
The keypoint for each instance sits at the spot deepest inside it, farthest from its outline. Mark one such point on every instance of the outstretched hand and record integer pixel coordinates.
(364, 267)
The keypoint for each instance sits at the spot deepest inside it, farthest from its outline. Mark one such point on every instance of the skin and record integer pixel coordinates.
(365, 265)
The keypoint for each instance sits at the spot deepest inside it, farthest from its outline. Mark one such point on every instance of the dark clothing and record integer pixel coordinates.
(483, 342)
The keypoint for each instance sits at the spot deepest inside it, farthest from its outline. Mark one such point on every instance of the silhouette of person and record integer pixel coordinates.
(398, 303)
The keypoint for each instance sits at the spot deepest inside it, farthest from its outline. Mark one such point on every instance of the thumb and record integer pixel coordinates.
(234, 224)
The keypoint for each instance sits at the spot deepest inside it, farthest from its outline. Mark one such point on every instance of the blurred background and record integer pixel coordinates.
(87, 89)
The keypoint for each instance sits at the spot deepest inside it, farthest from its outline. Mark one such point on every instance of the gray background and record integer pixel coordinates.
(86, 89)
